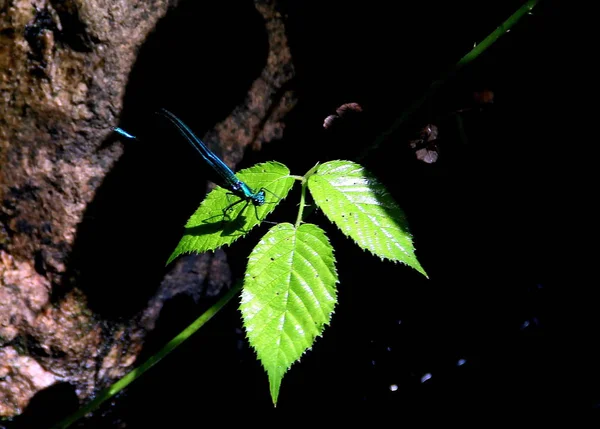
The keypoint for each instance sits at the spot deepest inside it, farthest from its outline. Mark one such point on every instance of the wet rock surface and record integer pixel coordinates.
(66, 274)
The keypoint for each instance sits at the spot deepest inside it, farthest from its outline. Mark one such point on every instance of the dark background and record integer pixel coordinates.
(503, 327)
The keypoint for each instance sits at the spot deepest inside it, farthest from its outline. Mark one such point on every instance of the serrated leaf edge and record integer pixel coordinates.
(419, 268)
(325, 324)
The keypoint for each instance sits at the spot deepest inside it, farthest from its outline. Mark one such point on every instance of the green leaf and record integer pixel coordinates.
(362, 208)
(210, 228)
(288, 296)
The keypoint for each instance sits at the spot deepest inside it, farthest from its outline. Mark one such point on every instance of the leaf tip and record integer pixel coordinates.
(173, 256)
(419, 268)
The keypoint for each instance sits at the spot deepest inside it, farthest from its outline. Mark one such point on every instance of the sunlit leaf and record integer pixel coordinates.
(288, 297)
(362, 208)
(222, 217)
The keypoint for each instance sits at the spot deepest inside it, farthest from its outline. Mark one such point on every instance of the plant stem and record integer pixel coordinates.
(437, 84)
(137, 372)
(302, 204)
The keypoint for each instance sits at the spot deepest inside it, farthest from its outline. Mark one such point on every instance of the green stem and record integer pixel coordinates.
(302, 204)
(436, 85)
(154, 359)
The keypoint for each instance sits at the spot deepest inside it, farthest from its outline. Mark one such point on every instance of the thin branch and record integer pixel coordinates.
(437, 84)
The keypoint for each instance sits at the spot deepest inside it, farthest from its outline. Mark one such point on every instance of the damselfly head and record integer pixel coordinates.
(258, 199)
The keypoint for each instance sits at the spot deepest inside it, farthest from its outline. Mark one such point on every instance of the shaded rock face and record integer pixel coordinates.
(68, 189)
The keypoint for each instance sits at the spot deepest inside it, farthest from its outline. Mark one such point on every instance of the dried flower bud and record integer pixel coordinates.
(344, 111)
